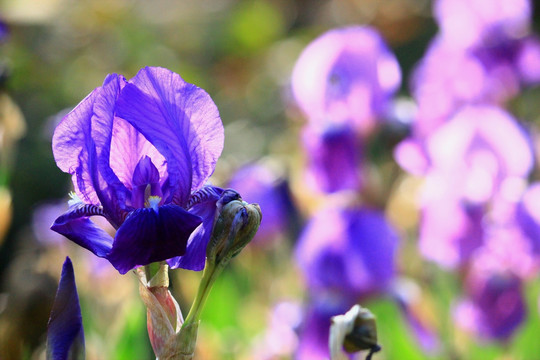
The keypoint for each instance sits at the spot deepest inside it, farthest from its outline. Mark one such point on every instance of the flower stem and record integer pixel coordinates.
(210, 274)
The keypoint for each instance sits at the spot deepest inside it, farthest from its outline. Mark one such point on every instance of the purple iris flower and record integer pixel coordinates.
(466, 22)
(480, 155)
(346, 75)
(140, 152)
(494, 307)
(334, 157)
(260, 183)
(348, 251)
(65, 335)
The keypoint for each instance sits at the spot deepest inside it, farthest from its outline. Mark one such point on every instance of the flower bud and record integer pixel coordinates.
(354, 331)
(235, 225)
(164, 318)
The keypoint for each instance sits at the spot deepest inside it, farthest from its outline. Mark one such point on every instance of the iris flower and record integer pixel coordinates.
(140, 153)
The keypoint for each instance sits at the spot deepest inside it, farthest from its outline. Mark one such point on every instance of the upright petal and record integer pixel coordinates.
(182, 122)
(81, 145)
(65, 335)
(150, 235)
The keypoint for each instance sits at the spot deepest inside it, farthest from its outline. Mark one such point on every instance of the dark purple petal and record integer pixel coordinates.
(65, 335)
(77, 227)
(181, 121)
(204, 206)
(494, 307)
(350, 251)
(528, 216)
(149, 235)
(334, 157)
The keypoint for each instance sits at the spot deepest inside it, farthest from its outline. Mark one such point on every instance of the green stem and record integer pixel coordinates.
(210, 274)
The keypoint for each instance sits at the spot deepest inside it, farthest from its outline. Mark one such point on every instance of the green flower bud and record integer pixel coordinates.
(236, 224)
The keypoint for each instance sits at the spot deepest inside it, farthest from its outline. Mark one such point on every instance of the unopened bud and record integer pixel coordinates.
(164, 318)
(236, 224)
(354, 331)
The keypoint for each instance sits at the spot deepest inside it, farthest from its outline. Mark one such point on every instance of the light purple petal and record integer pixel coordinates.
(150, 235)
(81, 143)
(73, 147)
(465, 22)
(205, 207)
(478, 132)
(77, 227)
(65, 335)
(346, 74)
(182, 122)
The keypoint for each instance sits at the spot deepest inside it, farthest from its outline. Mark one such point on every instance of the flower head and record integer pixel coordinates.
(348, 252)
(139, 153)
(347, 74)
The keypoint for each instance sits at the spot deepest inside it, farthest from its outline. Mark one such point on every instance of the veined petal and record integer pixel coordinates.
(148, 236)
(72, 145)
(81, 145)
(204, 205)
(65, 335)
(77, 227)
(182, 122)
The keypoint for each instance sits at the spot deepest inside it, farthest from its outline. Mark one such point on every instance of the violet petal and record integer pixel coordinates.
(149, 235)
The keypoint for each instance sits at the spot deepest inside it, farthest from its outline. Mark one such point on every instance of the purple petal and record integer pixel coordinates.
(81, 144)
(181, 120)
(465, 22)
(149, 235)
(348, 250)
(346, 74)
(334, 158)
(76, 226)
(65, 335)
(479, 131)
(494, 307)
(205, 207)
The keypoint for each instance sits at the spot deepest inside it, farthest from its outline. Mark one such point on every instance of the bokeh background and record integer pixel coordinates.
(242, 53)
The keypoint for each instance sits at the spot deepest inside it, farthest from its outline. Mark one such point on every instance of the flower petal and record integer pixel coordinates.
(205, 207)
(148, 236)
(81, 145)
(181, 120)
(65, 335)
(77, 227)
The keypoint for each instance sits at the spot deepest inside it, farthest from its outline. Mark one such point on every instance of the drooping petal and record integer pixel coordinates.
(334, 158)
(150, 235)
(65, 335)
(204, 206)
(182, 122)
(351, 251)
(77, 227)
